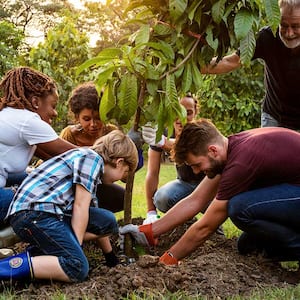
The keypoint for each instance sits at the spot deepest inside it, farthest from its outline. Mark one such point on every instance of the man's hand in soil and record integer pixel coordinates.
(142, 234)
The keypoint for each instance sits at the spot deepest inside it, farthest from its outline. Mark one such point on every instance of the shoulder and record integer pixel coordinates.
(70, 133)
(266, 35)
(71, 129)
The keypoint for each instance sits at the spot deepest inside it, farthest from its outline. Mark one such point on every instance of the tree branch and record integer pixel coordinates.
(182, 62)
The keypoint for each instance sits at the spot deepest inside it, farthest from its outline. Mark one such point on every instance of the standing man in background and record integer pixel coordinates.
(281, 54)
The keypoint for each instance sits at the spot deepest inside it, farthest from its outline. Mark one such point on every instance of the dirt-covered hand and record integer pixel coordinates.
(142, 234)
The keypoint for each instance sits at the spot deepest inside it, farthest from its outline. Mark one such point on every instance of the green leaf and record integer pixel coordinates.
(103, 76)
(171, 90)
(162, 29)
(107, 102)
(243, 23)
(152, 86)
(187, 79)
(217, 11)
(165, 48)
(247, 46)
(273, 13)
(143, 35)
(212, 42)
(127, 97)
(105, 56)
(87, 64)
(151, 72)
(177, 8)
(192, 8)
(196, 75)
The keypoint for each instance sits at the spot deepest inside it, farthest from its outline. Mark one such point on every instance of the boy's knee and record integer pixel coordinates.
(76, 268)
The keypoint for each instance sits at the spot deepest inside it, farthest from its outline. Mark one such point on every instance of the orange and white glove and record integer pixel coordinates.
(142, 234)
(168, 259)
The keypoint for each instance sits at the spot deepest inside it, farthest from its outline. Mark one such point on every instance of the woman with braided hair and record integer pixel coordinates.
(27, 108)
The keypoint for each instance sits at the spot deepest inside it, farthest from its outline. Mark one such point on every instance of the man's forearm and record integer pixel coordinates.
(191, 240)
(225, 65)
(188, 207)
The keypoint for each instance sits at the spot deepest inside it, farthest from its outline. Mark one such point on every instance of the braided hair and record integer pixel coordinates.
(20, 84)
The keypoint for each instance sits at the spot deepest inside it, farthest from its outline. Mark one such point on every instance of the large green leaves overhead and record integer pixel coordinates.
(162, 59)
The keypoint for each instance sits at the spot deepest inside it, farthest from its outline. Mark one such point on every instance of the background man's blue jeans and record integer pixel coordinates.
(171, 193)
(271, 215)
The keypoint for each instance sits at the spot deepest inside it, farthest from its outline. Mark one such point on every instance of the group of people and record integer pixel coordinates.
(253, 176)
(56, 206)
(71, 197)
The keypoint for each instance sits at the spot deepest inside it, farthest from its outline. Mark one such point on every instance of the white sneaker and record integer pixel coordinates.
(4, 252)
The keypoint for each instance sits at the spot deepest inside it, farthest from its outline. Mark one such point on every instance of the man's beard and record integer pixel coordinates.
(216, 167)
(292, 43)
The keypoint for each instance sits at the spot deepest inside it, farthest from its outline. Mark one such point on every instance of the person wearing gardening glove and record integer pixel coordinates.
(168, 195)
(256, 187)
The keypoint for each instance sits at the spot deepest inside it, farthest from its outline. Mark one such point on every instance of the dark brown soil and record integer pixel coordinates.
(214, 270)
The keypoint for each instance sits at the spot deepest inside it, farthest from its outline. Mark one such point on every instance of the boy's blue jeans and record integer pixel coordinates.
(271, 215)
(53, 235)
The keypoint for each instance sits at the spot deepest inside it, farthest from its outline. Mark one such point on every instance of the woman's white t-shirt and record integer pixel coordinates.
(20, 131)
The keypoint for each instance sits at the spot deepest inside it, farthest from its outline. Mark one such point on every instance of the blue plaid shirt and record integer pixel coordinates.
(51, 187)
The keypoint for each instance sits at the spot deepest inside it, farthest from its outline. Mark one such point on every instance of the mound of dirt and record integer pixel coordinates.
(216, 269)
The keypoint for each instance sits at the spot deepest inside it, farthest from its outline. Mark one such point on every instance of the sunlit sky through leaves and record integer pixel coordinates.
(36, 36)
(80, 3)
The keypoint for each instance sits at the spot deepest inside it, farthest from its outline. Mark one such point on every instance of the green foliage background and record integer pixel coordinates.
(233, 101)
(148, 55)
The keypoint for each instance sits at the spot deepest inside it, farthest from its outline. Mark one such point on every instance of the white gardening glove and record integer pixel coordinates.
(149, 135)
(151, 217)
(142, 234)
(139, 237)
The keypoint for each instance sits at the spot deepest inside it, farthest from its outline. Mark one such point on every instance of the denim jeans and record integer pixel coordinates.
(271, 215)
(268, 121)
(7, 193)
(171, 193)
(53, 235)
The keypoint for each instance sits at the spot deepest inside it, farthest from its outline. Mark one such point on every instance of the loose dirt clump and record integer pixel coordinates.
(214, 270)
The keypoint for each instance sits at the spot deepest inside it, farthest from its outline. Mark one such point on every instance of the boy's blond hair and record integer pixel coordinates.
(115, 145)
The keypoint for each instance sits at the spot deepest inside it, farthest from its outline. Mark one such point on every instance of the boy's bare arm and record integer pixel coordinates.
(80, 214)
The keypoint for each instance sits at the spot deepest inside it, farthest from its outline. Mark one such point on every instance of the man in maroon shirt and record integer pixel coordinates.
(254, 178)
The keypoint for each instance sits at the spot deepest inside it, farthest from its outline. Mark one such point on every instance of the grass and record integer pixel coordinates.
(288, 293)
